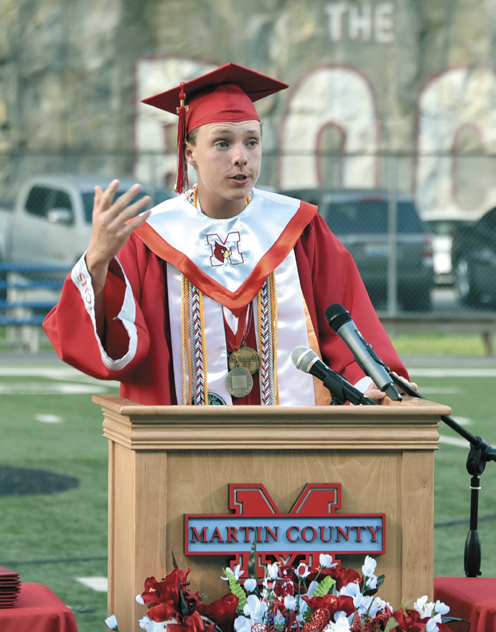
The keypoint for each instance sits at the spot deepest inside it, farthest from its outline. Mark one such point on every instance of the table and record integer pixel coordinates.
(37, 609)
(470, 598)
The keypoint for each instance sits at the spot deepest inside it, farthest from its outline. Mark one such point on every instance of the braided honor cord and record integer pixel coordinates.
(195, 308)
(267, 335)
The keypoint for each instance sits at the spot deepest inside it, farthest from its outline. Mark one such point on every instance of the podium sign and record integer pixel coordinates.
(311, 527)
(168, 462)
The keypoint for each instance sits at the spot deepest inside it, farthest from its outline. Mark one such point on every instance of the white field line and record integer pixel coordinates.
(62, 373)
(449, 372)
(48, 419)
(461, 443)
(47, 388)
(98, 584)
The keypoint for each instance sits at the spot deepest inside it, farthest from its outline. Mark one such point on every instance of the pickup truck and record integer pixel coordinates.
(474, 261)
(50, 222)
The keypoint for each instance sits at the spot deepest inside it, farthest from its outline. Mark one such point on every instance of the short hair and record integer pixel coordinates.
(191, 137)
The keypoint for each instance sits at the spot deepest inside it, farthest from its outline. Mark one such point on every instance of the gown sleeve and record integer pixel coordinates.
(71, 324)
(328, 274)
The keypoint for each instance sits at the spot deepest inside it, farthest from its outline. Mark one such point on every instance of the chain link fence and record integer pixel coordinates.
(422, 234)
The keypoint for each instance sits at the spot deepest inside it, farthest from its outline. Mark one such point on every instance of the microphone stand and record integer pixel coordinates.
(480, 453)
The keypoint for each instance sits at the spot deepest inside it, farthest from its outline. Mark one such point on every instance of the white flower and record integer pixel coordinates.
(350, 590)
(339, 614)
(154, 626)
(255, 609)
(144, 622)
(139, 599)
(431, 625)
(302, 606)
(326, 561)
(441, 608)
(242, 624)
(279, 619)
(423, 608)
(377, 605)
(302, 570)
(361, 602)
(250, 585)
(311, 589)
(273, 570)
(371, 582)
(341, 625)
(368, 569)
(237, 572)
(290, 602)
(112, 622)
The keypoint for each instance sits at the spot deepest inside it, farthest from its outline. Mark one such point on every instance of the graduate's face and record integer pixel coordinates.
(227, 158)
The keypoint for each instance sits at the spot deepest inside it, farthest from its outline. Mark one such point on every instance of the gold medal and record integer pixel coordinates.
(239, 382)
(246, 358)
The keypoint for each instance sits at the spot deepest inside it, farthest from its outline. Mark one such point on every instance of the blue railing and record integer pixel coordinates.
(19, 284)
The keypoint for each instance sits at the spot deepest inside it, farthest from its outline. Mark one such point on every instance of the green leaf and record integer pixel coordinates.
(184, 606)
(391, 624)
(237, 590)
(449, 619)
(174, 560)
(324, 586)
(372, 591)
(252, 560)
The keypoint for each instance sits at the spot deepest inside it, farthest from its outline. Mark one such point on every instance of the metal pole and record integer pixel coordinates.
(392, 272)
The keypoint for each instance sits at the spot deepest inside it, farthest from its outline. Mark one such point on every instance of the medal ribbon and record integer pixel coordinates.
(234, 340)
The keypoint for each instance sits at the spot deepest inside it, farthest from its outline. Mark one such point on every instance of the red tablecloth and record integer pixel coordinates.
(470, 598)
(37, 609)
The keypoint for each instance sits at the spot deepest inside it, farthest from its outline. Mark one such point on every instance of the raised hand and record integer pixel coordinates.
(113, 223)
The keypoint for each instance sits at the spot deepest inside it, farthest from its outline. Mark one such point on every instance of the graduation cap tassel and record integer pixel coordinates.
(182, 165)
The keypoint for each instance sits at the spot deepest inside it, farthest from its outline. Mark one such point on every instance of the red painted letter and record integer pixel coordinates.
(289, 536)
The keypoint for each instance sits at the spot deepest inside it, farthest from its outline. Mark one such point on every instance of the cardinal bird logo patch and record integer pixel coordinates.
(225, 251)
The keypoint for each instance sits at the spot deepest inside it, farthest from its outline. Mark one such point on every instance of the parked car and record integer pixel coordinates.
(474, 260)
(359, 218)
(50, 222)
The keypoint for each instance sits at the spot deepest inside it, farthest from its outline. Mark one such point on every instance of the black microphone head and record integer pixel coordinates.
(303, 358)
(336, 316)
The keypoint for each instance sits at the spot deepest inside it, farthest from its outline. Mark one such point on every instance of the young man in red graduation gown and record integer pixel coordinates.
(202, 299)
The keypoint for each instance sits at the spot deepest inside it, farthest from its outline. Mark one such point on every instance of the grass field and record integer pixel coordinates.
(48, 422)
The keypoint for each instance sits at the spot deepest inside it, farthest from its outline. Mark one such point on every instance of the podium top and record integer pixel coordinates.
(408, 425)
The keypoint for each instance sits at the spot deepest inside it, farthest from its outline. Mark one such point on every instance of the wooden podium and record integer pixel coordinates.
(167, 461)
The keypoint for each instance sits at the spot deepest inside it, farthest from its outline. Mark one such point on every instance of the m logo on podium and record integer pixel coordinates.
(310, 528)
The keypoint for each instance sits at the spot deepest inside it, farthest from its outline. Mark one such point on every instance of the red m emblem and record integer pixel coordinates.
(311, 527)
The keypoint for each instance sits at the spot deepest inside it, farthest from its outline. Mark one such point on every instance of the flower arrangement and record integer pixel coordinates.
(328, 598)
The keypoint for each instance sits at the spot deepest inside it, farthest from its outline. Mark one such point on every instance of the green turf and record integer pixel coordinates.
(73, 524)
(439, 344)
(475, 399)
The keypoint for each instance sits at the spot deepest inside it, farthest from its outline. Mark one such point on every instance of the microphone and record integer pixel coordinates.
(340, 321)
(308, 361)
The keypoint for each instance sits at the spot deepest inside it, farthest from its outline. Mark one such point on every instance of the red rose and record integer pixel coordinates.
(221, 611)
(191, 623)
(344, 603)
(317, 603)
(409, 621)
(345, 576)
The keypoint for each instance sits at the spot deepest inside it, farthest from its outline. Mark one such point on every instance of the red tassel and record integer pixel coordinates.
(182, 165)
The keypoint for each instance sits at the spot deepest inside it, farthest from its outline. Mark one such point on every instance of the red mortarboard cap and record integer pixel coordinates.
(225, 94)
